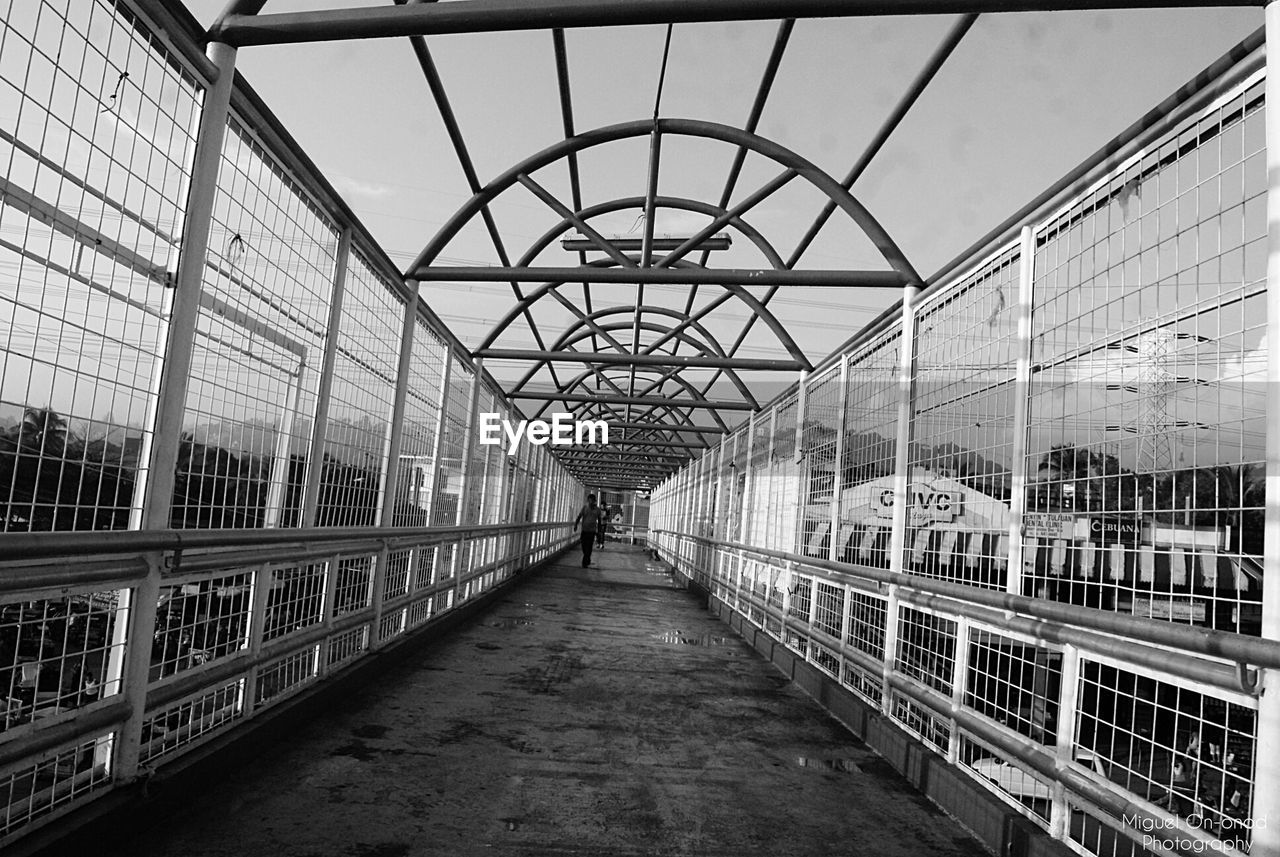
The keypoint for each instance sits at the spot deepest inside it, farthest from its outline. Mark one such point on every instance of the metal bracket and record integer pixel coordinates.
(1249, 679)
(172, 561)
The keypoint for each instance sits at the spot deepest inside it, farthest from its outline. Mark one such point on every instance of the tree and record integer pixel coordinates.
(1078, 478)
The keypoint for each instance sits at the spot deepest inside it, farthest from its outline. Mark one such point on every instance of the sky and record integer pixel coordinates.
(1024, 98)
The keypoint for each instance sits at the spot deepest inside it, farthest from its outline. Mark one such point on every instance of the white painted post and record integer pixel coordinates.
(280, 456)
(134, 669)
(901, 479)
(319, 426)
(389, 489)
(1059, 808)
(1021, 412)
(837, 505)
(1266, 786)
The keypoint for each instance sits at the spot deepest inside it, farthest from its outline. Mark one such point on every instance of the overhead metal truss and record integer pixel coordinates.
(645, 367)
(472, 16)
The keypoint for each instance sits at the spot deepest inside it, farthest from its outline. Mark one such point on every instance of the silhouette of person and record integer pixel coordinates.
(589, 519)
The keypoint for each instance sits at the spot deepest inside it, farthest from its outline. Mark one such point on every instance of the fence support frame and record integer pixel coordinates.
(1021, 413)
(171, 403)
(1266, 786)
(320, 425)
(901, 482)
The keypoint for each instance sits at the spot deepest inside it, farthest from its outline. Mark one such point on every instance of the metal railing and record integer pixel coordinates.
(1048, 470)
(1033, 753)
(246, 619)
(226, 417)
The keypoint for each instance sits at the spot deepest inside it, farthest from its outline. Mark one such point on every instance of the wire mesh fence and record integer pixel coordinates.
(1084, 415)
(287, 416)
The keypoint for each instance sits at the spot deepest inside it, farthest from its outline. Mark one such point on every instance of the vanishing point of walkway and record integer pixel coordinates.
(594, 711)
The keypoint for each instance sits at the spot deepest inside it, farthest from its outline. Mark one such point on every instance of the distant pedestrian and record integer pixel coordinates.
(604, 525)
(589, 519)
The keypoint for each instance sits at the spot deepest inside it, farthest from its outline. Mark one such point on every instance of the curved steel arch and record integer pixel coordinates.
(672, 411)
(677, 203)
(712, 345)
(589, 320)
(573, 383)
(817, 177)
(670, 374)
(766, 248)
(740, 292)
(573, 338)
(673, 374)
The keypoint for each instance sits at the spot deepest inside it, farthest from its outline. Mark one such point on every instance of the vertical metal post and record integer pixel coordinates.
(846, 619)
(464, 488)
(392, 441)
(1266, 786)
(797, 516)
(959, 675)
(748, 483)
(319, 426)
(436, 470)
(635, 501)
(1059, 810)
(263, 579)
(771, 523)
(745, 535)
(500, 490)
(837, 506)
(280, 456)
(157, 498)
(328, 609)
(468, 443)
(390, 490)
(1021, 411)
(901, 480)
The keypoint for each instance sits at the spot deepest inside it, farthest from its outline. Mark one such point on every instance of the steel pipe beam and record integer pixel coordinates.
(664, 444)
(660, 276)
(691, 361)
(575, 456)
(476, 16)
(593, 455)
(679, 429)
(913, 93)
(619, 474)
(624, 466)
(704, 404)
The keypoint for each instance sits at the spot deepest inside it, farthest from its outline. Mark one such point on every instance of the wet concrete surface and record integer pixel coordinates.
(595, 711)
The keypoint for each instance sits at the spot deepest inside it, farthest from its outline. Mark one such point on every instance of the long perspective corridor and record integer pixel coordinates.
(563, 721)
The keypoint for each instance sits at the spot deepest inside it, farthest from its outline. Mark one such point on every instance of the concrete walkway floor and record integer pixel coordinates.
(594, 711)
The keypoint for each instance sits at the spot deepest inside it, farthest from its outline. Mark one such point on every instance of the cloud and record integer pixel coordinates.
(1251, 366)
(347, 185)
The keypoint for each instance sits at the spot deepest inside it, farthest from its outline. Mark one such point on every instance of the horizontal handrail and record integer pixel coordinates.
(1102, 794)
(1237, 648)
(45, 545)
(1028, 754)
(90, 721)
(21, 747)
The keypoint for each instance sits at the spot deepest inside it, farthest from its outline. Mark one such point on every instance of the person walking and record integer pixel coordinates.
(589, 519)
(604, 525)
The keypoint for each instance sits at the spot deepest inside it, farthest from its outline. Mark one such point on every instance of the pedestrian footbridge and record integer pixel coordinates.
(978, 560)
(581, 711)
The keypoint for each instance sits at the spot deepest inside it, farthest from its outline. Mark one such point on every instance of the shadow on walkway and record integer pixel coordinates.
(595, 711)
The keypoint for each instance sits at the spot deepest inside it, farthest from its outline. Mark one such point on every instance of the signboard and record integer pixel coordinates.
(1174, 609)
(1108, 531)
(927, 503)
(1048, 525)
